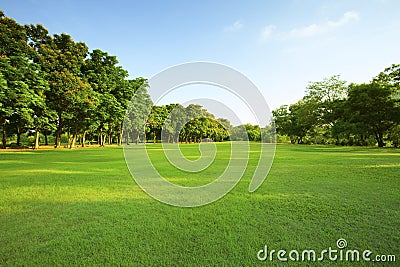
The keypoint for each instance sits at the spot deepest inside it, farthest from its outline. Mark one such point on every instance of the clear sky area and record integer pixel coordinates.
(279, 45)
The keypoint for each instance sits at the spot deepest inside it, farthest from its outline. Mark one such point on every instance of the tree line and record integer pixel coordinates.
(335, 112)
(174, 123)
(52, 86)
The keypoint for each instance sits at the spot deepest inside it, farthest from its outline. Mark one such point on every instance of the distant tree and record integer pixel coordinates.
(196, 127)
(297, 120)
(268, 134)
(238, 133)
(156, 121)
(225, 129)
(253, 132)
(174, 122)
(137, 112)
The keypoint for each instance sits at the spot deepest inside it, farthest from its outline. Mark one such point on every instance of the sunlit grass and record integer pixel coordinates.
(82, 207)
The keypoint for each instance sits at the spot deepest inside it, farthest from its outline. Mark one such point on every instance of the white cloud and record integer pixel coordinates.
(315, 29)
(267, 32)
(237, 25)
(346, 18)
(310, 30)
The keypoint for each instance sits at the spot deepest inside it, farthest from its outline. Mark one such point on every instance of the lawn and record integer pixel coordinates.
(82, 207)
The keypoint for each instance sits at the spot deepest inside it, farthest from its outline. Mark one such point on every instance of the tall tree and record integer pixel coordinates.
(371, 107)
(109, 81)
(137, 112)
(390, 77)
(156, 121)
(61, 60)
(174, 122)
(324, 96)
(22, 85)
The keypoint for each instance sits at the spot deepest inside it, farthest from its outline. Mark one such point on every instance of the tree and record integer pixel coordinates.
(174, 122)
(327, 90)
(253, 132)
(61, 60)
(371, 108)
(22, 84)
(196, 126)
(268, 134)
(137, 112)
(390, 77)
(225, 128)
(5, 109)
(297, 120)
(109, 81)
(156, 120)
(324, 96)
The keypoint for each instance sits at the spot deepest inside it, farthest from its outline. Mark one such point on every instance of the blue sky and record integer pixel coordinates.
(279, 45)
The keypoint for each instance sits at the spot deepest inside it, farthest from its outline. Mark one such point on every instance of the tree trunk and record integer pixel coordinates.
(73, 141)
(36, 139)
(57, 141)
(58, 138)
(155, 138)
(100, 138)
(119, 141)
(46, 141)
(59, 132)
(69, 138)
(3, 139)
(127, 137)
(137, 138)
(18, 136)
(379, 139)
(83, 139)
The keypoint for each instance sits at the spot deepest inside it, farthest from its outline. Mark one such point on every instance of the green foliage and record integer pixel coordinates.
(390, 77)
(333, 113)
(190, 124)
(22, 85)
(372, 109)
(137, 112)
(52, 83)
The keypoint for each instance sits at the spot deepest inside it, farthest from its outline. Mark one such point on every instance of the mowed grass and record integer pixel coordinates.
(82, 207)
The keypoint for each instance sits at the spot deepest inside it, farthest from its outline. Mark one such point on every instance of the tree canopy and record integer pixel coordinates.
(51, 85)
(334, 112)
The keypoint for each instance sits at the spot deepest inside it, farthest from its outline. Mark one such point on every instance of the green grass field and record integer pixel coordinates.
(82, 207)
